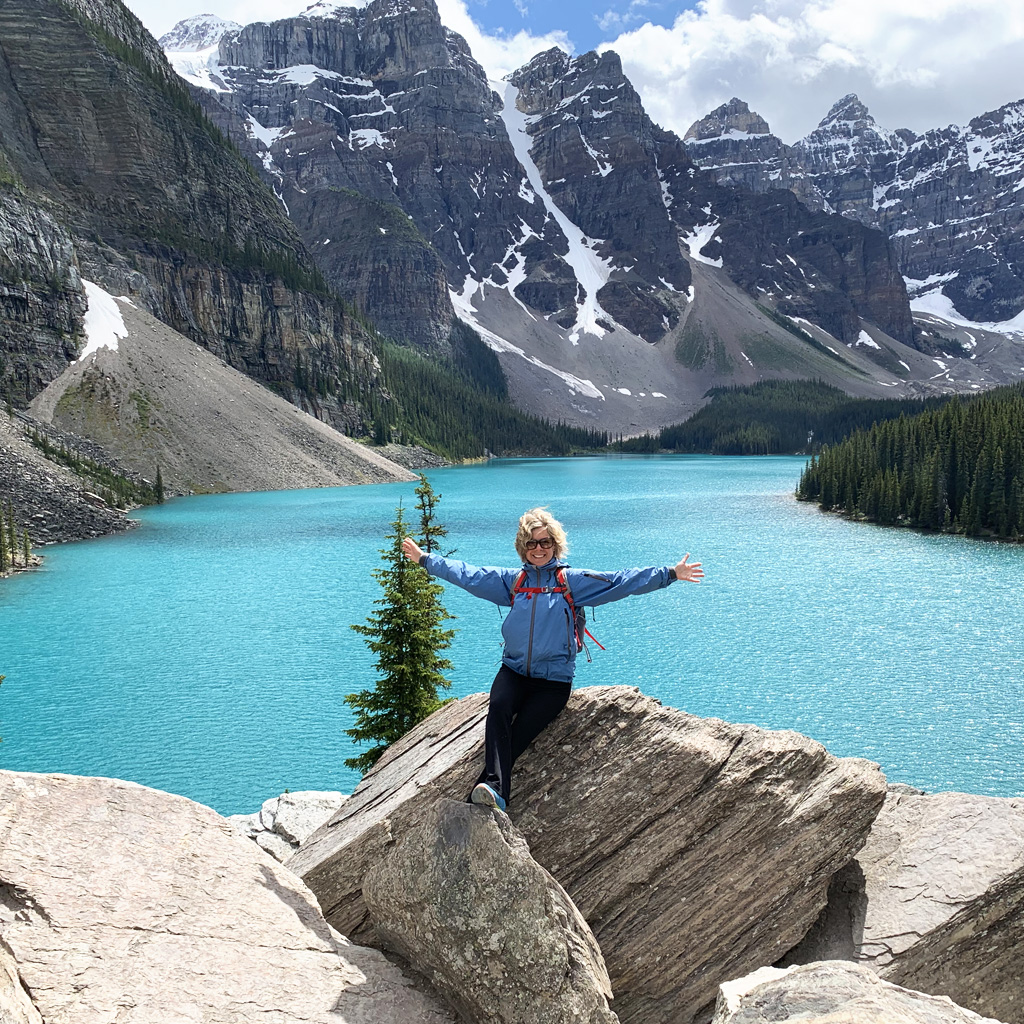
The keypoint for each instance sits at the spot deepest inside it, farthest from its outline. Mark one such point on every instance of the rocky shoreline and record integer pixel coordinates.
(48, 499)
(56, 505)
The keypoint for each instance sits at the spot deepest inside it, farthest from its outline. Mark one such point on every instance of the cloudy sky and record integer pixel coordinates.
(916, 63)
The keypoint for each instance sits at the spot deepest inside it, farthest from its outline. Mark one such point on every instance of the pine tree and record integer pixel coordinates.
(158, 487)
(431, 531)
(406, 634)
(26, 547)
(12, 533)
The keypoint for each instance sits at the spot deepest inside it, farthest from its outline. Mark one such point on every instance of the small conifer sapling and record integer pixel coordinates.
(406, 634)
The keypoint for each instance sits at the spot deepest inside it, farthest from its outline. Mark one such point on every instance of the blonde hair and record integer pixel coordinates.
(540, 518)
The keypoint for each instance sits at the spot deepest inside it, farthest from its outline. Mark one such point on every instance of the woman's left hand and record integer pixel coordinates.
(690, 572)
(412, 550)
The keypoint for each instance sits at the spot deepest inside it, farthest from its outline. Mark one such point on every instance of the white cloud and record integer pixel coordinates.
(499, 54)
(915, 63)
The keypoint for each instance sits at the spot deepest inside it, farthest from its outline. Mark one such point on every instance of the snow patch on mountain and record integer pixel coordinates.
(199, 67)
(466, 311)
(197, 33)
(592, 272)
(939, 305)
(698, 238)
(103, 321)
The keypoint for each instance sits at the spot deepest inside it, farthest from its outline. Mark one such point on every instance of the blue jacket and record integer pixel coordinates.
(538, 631)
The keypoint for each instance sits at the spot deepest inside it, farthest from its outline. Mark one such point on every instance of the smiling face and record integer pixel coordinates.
(539, 554)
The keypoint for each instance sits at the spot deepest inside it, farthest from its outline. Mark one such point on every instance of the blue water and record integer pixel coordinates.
(208, 652)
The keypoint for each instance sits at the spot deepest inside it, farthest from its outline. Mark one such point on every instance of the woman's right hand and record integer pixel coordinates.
(412, 550)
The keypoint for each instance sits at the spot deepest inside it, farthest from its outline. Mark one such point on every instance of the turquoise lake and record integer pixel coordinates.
(208, 652)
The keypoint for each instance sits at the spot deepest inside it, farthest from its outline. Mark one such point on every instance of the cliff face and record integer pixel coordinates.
(41, 298)
(623, 179)
(151, 197)
(949, 198)
(379, 132)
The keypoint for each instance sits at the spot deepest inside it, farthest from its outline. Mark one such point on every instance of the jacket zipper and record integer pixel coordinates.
(533, 612)
(569, 632)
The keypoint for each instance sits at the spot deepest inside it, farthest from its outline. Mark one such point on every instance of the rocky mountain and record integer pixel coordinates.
(950, 199)
(615, 280)
(109, 171)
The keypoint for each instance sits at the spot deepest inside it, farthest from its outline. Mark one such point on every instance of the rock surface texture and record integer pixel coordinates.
(935, 901)
(832, 993)
(121, 903)
(459, 896)
(99, 133)
(48, 499)
(701, 847)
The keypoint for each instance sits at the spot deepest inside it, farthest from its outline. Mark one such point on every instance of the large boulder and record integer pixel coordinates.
(459, 896)
(832, 993)
(935, 900)
(121, 903)
(696, 850)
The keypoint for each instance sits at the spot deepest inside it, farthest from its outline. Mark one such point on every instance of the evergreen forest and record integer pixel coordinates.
(774, 417)
(957, 469)
(460, 407)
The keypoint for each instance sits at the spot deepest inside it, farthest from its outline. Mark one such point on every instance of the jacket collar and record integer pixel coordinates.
(554, 563)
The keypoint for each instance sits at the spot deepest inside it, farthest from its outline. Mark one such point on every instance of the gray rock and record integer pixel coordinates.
(277, 846)
(459, 896)
(282, 822)
(300, 814)
(698, 846)
(122, 903)
(935, 900)
(832, 993)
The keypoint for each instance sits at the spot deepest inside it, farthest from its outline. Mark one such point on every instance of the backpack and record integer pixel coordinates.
(579, 615)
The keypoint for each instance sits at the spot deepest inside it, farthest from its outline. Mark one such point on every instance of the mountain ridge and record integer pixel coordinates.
(949, 198)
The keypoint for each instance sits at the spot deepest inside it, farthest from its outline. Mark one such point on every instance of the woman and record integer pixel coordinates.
(541, 640)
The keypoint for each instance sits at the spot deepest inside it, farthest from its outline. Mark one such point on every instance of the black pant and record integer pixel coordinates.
(521, 708)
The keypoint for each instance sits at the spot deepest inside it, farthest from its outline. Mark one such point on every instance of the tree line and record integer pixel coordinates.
(460, 408)
(116, 489)
(15, 545)
(774, 417)
(956, 469)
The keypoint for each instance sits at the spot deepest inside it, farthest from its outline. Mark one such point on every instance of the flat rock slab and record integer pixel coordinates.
(935, 900)
(696, 850)
(123, 904)
(460, 897)
(832, 993)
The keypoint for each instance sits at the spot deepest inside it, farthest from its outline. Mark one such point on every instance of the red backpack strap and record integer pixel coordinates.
(517, 587)
(566, 591)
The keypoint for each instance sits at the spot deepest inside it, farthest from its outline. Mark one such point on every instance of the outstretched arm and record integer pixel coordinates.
(480, 581)
(596, 588)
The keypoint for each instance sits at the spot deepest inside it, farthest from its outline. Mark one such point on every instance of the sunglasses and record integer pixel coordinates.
(544, 542)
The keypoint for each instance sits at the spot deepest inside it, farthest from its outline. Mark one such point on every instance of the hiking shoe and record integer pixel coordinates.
(486, 797)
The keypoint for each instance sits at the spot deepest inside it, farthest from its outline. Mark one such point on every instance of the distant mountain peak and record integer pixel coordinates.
(199, 32)
(734, 117)
(849, 108)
